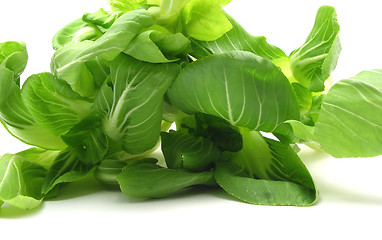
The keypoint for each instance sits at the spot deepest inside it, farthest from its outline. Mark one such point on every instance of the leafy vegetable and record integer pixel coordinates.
(240, 106)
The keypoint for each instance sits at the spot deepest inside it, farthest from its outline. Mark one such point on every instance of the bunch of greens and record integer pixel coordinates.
(119, 79)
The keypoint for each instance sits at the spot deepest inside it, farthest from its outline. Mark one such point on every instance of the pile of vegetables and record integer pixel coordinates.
(240, 106)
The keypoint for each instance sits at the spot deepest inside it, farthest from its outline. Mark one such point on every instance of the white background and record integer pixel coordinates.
(350, 203)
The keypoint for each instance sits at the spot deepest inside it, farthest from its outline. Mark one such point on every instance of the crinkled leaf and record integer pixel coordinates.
(145, 179)
(236, 39)
(240, 87)
(133, 106)
(183, 151)
(68, 63)
(20, 182)
(313, 62)
(53, 104)
(350, 122)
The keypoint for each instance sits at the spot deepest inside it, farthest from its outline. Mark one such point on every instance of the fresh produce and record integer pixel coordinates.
(240, 106)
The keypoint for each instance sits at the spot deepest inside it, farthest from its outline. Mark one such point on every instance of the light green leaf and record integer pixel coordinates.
(53, 104)
(205, 20)
(133, 109)
(183, 151)
(76, 31)
(145, 179)
(266, 172)
(102, 19)
(68, 63)
(236, 39)
(157, 47)
(240, 87)
(14, 114)
(20, 182)
(126, 5)
(350, 122)
(14, 56)
(302, 131)
(40, 156)
(312, 63)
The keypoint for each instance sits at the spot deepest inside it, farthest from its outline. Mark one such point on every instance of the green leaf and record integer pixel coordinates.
(88, 140)
(126, 5)
(266, 172)
(14, 56)
(14, 115)
(302, 131)
(236, 39)
(53, 104)
(108, 170)
(145, 179)
(101, 18)
(67, 167)
(76, 31)
(205, 20)
(68, 63)
(183, 151)
(350, 123)
(98, 70)
(20, 182)
(239, 184)
(157, 47)
(239, 87)
(313, 62)
(133, 109)
(219, 131)
(40, 156)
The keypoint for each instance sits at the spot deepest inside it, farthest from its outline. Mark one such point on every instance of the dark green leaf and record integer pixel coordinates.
(88, 140)
(266, 172)
(67, 167)
(146, 179)
(183, 151)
